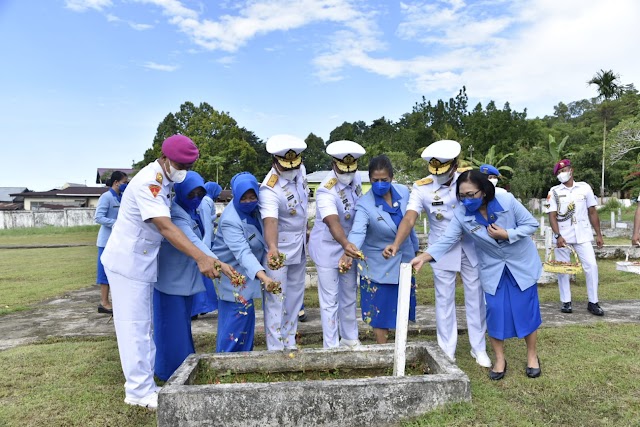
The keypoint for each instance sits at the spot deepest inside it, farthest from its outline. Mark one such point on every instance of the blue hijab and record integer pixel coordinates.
(240, 184)
(213, 190)
(192, 181)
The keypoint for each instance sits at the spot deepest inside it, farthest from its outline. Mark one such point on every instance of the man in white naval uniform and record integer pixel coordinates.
(436, 194)
(130, 259)
(336, 199)
(572, 213)
(283, 206)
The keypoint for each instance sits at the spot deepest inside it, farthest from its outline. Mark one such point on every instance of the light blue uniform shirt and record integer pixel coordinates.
(372, 230)
(178, 274)
(519, 252)
(207, 212)
(106, 214)
(242, 246)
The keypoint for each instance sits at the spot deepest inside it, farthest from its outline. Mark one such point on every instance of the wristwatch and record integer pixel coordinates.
(556, 236)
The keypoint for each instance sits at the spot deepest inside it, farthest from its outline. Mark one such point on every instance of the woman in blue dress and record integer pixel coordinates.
(106, 214)
(239, 242)
(207, 301)
(378, 214)
(509, 263)
(178, 280)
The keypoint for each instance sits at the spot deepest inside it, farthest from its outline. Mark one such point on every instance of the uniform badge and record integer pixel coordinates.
(464, 169)
(348, 216)
(440, 203)
(437, 197)
(272, 180)
(159, 178)
(155, 189)
(331, 183)
(292, 212)
(439, 216)
(424, 181)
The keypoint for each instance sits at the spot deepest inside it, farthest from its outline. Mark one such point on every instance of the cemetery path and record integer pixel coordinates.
(75, 315)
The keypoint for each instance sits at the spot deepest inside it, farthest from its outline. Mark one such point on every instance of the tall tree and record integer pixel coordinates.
(608, 87)
(315, 157)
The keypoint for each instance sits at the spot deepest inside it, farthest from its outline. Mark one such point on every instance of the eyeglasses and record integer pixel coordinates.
(469, 195)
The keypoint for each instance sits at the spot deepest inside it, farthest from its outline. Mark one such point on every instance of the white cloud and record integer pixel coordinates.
(160, 67)
(82, 5)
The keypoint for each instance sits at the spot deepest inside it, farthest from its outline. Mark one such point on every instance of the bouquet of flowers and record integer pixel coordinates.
(273, 287)
(238, 279)
(276, 262)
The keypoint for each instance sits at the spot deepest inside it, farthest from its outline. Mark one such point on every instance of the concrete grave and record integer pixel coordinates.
(376, 400)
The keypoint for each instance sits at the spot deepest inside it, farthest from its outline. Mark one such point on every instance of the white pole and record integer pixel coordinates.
(613, 220)
(547, 241)
(542, 225)
(424, 225)
(402, 320)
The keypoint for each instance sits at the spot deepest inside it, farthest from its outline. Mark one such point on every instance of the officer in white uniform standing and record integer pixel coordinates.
(572, 213)
(130, 259)
(336, 199)
(283, 206)
(436, 194)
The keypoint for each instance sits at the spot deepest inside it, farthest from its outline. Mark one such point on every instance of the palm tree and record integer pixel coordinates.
(608, 87)
(492, 159)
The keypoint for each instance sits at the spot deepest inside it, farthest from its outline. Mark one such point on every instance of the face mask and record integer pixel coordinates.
(289, 175)
(494, 181)
(564, 177)
(192, 204)
(442, 179)
(345, 178)
(380, 188)
(472, 205)
(175, 175)
(248, 207)
(122, 187)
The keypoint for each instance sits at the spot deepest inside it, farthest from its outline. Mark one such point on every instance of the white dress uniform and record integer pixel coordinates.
(337, 292)
(286, 200)
(130, 259)
(572, 206)
(439, 202)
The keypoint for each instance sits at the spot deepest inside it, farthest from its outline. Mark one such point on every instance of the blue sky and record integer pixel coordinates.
(85, 83)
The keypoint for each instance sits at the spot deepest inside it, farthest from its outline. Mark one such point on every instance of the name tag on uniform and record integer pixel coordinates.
(290, 197)
(476, 228)
(380, 218)
(251, 237)
(440, 203)
(562, 195)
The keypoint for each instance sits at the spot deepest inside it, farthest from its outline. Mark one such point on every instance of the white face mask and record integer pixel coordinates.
(494, 181)
(345, 178)
(289, 174)
(175, 175)
(564, 177)
(441, 179)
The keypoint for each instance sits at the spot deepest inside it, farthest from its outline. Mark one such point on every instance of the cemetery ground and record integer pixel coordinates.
(589, 375)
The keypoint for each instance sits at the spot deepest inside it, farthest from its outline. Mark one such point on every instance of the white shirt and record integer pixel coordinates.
(576, 229)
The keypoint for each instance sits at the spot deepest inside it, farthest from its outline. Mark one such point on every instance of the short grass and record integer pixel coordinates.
(85, 234)
(589, 376)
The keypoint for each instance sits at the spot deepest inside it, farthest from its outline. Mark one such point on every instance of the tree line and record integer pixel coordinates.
(523, 149)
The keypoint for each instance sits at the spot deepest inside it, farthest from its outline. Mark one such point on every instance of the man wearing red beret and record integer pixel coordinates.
(130, 260)
(572, 213)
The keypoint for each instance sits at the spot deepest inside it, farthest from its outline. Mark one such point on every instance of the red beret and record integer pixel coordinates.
(561, 164)
(180, 149)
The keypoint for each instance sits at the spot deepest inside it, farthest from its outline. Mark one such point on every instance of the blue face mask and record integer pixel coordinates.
(192, 204)
(472, 205)
(380, 188)
(248, 207)
(122, 187)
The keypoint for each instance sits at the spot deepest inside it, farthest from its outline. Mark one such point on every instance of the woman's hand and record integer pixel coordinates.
(351, 251)
(390, 251)
(497, 232)
(345, 263)
(419, 261)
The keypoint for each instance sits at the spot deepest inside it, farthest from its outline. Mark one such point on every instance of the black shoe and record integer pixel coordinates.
(103, 310)
(496, 376)
(302, 316)
(566, 307)
(534, 372)
(594, 308)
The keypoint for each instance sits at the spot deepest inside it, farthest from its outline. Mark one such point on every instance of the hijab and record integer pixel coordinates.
(213, 190)
(240, 184)
(192, 181)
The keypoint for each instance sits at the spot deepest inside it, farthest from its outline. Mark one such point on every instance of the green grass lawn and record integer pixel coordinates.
(50, 235)
(589, 377)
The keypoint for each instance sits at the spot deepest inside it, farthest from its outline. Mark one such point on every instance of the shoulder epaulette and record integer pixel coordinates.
(272, 180)
(329, 185)
(424, 181)
(468, 168)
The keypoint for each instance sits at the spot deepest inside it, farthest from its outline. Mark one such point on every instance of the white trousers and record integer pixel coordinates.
(281, 311)
(446, 322)
(133, 320)
(337, 294)
(587, 257)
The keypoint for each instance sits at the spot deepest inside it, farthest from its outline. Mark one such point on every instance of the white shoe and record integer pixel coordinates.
(482, 358)
(350, 343)
(150, 401)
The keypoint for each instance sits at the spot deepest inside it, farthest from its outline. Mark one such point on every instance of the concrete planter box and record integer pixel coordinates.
(380, 400)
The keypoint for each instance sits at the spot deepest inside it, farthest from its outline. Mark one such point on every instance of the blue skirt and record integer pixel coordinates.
(101, 276)
(236, 326)
(171, 332)
(379, 303)
(206, 301)
(512, 312)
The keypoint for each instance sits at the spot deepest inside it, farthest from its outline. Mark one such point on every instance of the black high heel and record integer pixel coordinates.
(496, 376)
(534, 372)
